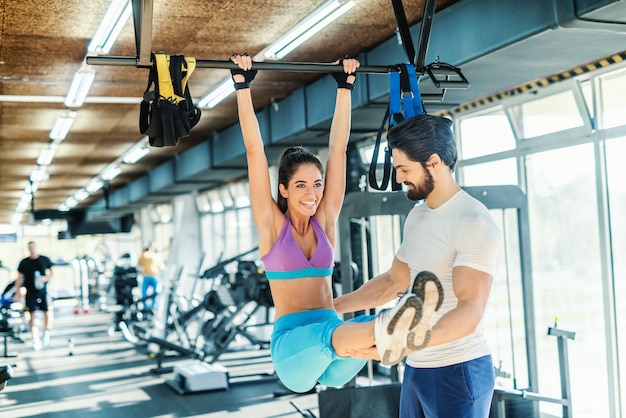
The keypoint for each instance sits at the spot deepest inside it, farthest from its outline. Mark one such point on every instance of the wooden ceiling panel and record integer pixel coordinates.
(30, 120)
(61, 19)
(40, 57)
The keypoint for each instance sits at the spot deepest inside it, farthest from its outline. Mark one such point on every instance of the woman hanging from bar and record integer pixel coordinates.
(310, 342)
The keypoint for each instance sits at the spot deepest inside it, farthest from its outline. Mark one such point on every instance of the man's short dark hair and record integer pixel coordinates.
(421, 136)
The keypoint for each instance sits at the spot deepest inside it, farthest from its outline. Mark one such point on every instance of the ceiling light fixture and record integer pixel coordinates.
(222, 91)
(81, 194)
(39, 175)
(135, 154)
(112, 23)
(22, 206)
(62, 126)
(46, 155)
(307, 27)
(24, 202)
(17, 219)
(31, 188)
(26, 197)
(70, 202)
(81, 83)
(94, 186)
(111, 172)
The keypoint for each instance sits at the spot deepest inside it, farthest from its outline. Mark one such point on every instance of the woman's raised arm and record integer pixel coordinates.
(260, 189)
(335, 184)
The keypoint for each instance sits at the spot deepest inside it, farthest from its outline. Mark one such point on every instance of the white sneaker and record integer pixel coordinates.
(46, 339)
(36, 345)
(428, 289)
(391, 328)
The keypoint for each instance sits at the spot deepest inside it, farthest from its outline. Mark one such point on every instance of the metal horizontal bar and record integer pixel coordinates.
(432, 97)
(452, 84)
(443, 71)
(533, 396)
(261, 65)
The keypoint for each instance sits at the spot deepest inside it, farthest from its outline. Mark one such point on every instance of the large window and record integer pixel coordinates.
(567, 274)
(548, 144)
(226, 218)
(485, 134)
(504, 319)
(554, 113)
(613, 103)
(491, 174)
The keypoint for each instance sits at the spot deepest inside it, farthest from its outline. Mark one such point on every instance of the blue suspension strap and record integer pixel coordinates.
(404, 95)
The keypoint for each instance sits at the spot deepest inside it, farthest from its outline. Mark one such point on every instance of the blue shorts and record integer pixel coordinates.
(462, 390)
(302, 351)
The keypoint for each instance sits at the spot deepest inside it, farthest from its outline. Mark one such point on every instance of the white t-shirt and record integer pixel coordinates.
(461, 232)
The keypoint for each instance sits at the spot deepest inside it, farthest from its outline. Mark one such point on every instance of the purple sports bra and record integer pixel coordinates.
(287, 261)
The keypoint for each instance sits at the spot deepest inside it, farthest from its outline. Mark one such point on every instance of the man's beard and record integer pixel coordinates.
(422, 191)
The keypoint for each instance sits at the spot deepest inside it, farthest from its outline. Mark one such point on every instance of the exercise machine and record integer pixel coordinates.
(227, 317)
(231, 305)
(524, 397)
(11, 319)
(123, 283)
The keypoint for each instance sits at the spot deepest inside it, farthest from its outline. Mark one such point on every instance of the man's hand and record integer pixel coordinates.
(364, 353)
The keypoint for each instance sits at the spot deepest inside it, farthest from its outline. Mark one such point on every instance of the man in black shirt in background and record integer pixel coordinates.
(34, 273)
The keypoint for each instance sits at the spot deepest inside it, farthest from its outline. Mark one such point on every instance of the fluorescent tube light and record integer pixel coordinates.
(17, 218)
(112, 23)
(70, 202)
(46, 155)
(26, 197)
(81, 195)
(136, 154)
(62, 126)
(63, 207)
(23, 203)
(31, 188)
(219, 93)
(307, 27)
(81, 83)
(111, 172)
(39, 175)
(94, 186)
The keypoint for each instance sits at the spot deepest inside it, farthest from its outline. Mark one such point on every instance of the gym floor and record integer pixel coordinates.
(106, 376)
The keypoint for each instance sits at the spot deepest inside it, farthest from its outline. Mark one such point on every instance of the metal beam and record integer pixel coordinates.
(425, 29)
(142, 19)
(403, 29)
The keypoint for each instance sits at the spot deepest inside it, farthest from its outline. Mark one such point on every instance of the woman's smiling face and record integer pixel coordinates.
(305, 189)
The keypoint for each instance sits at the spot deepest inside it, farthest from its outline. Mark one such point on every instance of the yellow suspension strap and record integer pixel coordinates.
(166, 90)
(167, 112)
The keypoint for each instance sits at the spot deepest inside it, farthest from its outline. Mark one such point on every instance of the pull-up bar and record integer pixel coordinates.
(261, 65)
(299, 66)
(433, 70)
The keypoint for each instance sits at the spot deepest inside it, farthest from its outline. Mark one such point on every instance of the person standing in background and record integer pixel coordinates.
(151, 265)
(34, 273)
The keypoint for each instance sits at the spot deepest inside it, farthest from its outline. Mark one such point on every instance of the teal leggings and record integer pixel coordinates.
(302, 350)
